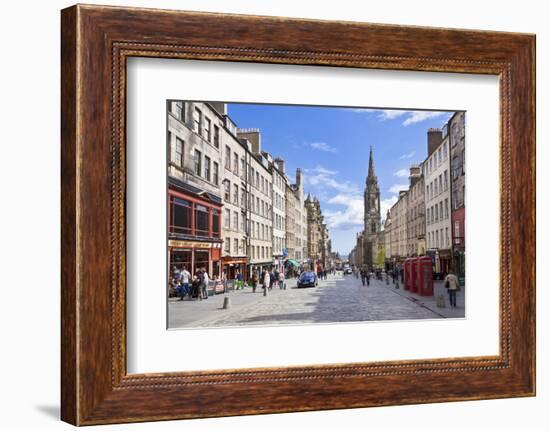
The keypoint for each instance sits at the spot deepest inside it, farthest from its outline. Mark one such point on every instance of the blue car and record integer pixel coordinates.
(307, 279)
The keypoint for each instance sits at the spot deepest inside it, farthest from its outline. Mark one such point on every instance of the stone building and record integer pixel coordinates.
(296, 221)
(233, 192)
(388, 241)
(458, 192)
(279, 183)
(416, 225)
(399, 236)
(194, 134)
(438, 199)
(259, 193)
(372, 221)
(317, 232)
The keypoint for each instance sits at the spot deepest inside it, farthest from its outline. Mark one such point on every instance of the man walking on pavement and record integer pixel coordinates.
(452, 285)
(184, 279)
(363, 275)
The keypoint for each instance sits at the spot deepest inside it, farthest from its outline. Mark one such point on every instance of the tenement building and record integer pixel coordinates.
(300, 220)
(259, 195)
(317, 232)
(194, 199)
(458, 192)
(279, 183)
(233, 192)
(438, 199)
(399, 235)
(416, 224)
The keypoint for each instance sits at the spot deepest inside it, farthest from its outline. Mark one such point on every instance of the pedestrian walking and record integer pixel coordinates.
(276, 277)
(452, 285)
(281, 280)
(367, 276)
(254, 281)
(204, 284)
(363, 273)
(196, 286)
(271, 279)
(266, 279)
(184, 278)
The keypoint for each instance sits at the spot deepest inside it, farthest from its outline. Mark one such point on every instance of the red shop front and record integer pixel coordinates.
(194, 255)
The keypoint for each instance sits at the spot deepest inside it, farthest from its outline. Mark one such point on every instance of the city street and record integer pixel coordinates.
(337, 299)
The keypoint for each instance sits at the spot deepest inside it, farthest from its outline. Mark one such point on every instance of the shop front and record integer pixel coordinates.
(194, 255)
(233, 265)
(194, 240)
(441, 262)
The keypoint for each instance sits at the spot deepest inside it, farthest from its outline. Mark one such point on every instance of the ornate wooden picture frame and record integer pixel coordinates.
(96, 41)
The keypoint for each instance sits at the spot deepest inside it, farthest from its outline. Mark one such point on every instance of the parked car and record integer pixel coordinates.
(307, 279)
(347, 271)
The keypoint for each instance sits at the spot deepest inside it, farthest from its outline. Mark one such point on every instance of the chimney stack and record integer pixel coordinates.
(280, 164)
(435, 137)
(298, 178)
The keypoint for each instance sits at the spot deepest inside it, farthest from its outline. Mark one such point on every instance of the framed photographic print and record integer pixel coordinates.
(298, 214)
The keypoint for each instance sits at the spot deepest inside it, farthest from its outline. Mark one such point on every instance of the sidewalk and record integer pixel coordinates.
(195, 312)
(430, 302)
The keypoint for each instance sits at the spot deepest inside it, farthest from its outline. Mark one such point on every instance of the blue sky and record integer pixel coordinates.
(331, 146)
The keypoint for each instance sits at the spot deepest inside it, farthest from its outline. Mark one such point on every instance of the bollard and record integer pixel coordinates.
(265, 291)
(226, 302)
(440, 301)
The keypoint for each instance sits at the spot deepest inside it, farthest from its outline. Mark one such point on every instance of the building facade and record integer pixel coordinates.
(458, 192)
(317, 233)
(279, 183)
(416, 225)
(438, 201)
(194, 200)
(300, 220)
(259, 196)
(233, 192)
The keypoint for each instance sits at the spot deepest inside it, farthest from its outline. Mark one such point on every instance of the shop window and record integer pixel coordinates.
(180, 212)
(215, 223)
(201, 260)
(201, 220)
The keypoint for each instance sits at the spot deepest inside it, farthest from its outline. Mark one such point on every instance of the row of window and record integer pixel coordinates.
(435, 160)
(202, 125)
(438, 185)
(279, 222)
(190, 218)
(279, 244)
(261, 252)
(202, 167)
(436, 239)
(435, 212)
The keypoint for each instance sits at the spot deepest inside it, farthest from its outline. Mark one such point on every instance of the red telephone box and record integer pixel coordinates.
(414, 271)
(424, 276)
(407, 273)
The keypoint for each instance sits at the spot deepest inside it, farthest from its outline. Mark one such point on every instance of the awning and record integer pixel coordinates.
(292, 262)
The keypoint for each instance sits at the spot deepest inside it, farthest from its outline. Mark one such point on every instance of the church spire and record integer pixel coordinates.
(371, 165)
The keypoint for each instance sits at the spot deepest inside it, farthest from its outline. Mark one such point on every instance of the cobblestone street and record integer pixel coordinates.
(338, 299)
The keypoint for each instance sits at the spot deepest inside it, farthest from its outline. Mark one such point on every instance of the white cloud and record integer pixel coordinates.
(396, 188)
(323, 146)
(408, 155)
(386, 204)
(411, 117)
(351, 217)
(320, 178)
(389, 114)
(419, 116)
(401, 173)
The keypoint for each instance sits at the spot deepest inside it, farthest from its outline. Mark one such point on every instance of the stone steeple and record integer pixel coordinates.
(372, 219)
